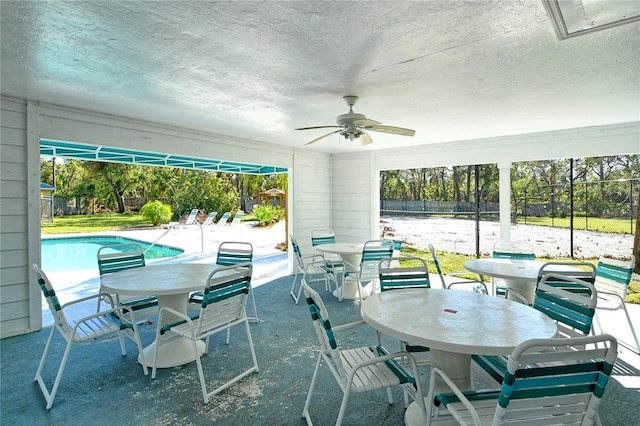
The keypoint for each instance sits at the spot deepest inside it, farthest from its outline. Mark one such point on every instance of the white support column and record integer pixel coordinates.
(505, 200)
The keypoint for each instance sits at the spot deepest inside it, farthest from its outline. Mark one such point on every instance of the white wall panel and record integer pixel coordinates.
(14, 272)
(311, 196)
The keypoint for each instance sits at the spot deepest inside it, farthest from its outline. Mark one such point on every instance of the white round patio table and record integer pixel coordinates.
(454, 325)
(351, 254)
(171, 284)
(520, 276)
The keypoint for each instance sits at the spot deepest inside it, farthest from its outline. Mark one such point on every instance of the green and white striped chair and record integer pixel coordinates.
(223, 219)
(458, 280)
(373, 252)
(612, 282)
(334, 264)
(518, 250)
(232, 253)
(404, 272)
(547, 382)
(572, 312)
(211, 217)
(86, 329)
(584, 271)
(120, 257)
(312, 268)
(223, 306)
(356, 370)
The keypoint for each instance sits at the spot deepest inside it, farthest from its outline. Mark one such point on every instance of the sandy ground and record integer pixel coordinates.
(458, 236)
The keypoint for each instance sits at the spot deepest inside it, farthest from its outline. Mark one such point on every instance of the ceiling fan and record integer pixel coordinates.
(352, 126)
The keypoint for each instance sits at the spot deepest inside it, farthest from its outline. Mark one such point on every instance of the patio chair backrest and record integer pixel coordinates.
(521, 250)
(583, 271)
(296, 251)
(52, 300)
(228, 285)
(191, 219)
(322, 325)
(393, 275)
(436, 262)
(224, 219)
(546, 382)
(373, 252)
(577, 384)
(614, 275)
(572, 311)
(210, 218)
(322, 236)
(234, 252)
(237, 218)
(118, 257)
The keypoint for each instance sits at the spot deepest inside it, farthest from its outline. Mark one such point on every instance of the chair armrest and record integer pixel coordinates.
(313, 257)
(84, 299)
(609, 293)
(435, 373)
(110, 311)
(183, 318)
(383, 358)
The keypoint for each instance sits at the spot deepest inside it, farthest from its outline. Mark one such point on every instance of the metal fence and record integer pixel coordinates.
(584, 204)
(570, 220)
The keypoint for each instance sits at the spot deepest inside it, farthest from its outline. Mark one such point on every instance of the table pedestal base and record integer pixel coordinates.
(172, 354)
(349, 289)
(456, 366)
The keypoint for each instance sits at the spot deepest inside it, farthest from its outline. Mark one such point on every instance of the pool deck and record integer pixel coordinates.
(200, 245)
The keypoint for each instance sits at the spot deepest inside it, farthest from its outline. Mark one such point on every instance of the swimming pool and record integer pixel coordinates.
(77, 253)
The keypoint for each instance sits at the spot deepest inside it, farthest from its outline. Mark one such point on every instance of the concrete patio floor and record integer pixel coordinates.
(101, 387)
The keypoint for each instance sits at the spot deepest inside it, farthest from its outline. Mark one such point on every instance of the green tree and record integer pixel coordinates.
(208, 191)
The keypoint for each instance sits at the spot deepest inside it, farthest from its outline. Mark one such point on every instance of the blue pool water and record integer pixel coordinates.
(76, 253)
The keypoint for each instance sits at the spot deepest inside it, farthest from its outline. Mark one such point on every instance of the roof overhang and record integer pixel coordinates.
(79, 151)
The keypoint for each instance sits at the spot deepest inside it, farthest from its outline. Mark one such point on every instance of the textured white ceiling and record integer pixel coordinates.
(451, 70)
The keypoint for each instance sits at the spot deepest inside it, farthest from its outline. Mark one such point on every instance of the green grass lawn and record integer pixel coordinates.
(93, 223)
(619, 226)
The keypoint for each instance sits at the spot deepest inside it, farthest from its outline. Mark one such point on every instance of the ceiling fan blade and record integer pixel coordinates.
(364, 139)
(392, 130)
(323, 136)
(366, 122)
(317, 127)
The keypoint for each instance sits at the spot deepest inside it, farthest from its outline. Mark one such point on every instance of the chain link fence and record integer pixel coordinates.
(583, 220)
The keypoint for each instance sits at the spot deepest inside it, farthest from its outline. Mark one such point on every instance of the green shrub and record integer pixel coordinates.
(156, 212)
(267, 214)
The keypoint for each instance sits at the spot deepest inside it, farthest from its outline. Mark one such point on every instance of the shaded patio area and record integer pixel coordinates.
(100, 386)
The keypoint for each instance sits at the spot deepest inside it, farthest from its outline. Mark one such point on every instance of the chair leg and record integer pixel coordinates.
(135, 336)
(296, 298)
(343, 405)
(157, 346)
(633, 330)
(240, 376)
(255, 308)
(203, 385)
(305, 410)
(50, 395)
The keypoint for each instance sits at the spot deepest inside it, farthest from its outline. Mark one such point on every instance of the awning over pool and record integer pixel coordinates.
(79, 151)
